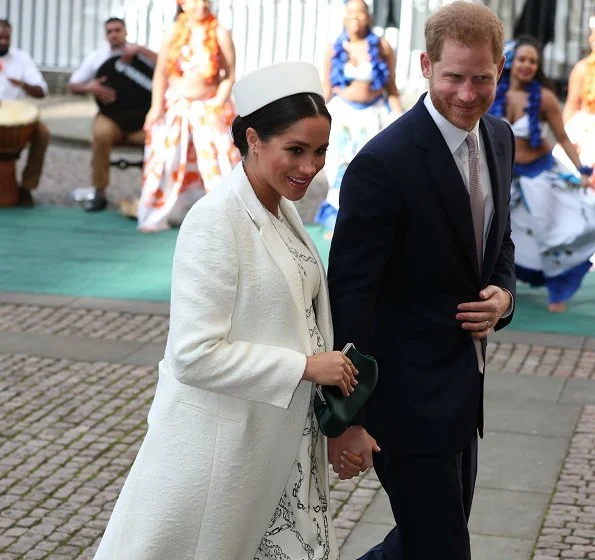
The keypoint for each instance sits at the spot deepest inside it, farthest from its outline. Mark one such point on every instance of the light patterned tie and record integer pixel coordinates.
(477, 213)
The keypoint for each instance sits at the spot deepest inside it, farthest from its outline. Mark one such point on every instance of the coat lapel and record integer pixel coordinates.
(445, 174)
(274, 245)
(322, 304)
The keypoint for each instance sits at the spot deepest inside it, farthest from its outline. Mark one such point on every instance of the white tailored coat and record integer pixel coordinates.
(230, 406)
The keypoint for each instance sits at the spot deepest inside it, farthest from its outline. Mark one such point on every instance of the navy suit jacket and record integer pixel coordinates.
(402, 258)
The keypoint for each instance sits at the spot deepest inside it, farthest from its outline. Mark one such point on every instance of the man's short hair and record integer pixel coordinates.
(114, 20)
(5, 23)
(466, 23)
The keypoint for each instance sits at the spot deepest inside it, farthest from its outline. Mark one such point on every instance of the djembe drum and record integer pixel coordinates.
(17, 119)
(132, 83)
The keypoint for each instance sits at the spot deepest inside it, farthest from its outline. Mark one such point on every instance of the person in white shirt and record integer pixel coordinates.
(20, 78)
(106, 132)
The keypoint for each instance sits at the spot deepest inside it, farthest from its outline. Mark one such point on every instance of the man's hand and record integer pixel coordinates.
(105, 94)
(130, 51)
(346, 451)
(479, 317)
(17, 83)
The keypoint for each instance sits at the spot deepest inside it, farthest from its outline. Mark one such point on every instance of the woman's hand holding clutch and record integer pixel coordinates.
(331, 368)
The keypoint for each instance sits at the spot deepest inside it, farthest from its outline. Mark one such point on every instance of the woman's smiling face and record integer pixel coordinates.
(287, 162)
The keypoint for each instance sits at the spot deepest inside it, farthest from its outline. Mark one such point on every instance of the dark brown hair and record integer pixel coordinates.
(276, 117)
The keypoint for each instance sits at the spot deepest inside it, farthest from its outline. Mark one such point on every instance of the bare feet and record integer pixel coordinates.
(129, 208)
(557, 307)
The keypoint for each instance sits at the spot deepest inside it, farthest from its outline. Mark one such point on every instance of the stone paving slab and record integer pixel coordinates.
(533, 417)
(70, 347)
(92, 319)
(520, 462)
(83, 322)
(579, 391)
(492, 547)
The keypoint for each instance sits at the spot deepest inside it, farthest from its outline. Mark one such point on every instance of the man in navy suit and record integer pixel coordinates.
(421, 268)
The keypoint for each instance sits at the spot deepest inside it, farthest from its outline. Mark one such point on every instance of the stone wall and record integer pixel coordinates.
(57, 81)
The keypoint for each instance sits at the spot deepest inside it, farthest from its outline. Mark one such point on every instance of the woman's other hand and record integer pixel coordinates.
(154, 115)
(331, 368)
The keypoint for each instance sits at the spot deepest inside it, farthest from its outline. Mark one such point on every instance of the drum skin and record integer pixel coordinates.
(17, 119)
(16, 126)
(132, 83)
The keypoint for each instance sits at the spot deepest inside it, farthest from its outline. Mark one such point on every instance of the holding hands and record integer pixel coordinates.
(351, 453)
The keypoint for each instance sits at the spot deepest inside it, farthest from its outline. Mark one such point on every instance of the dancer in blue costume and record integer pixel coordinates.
(361, 94)
(552, 207)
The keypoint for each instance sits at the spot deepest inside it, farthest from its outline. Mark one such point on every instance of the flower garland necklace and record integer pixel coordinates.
(588, 92)
(533, 107)
(340, 57)
(180, 48)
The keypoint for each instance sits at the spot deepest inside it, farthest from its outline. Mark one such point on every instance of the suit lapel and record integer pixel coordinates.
(274, 245)
(447, 178)
(494, 153)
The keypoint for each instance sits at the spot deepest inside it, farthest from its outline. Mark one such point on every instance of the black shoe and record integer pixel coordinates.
(95, 204)
(25, 199)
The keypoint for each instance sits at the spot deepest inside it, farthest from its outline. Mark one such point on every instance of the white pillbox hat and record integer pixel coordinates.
(265, 85)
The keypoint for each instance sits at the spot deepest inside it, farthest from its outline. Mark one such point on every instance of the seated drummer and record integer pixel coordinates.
(19, 78)
(106, 132)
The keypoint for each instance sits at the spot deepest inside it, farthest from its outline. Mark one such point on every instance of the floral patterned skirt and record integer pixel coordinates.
(186, 155)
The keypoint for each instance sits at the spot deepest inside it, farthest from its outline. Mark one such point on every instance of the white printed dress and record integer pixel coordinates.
(302, 525)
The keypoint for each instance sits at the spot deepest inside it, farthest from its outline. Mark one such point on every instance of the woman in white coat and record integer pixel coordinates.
(233, 466)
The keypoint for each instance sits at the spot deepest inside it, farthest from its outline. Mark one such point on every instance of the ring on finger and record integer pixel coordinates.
(487, 324)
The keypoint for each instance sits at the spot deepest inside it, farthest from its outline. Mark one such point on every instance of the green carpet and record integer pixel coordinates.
(64, 251)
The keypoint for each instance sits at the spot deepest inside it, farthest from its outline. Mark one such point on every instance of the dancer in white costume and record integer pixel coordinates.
(579, 109)
(359, 86)
(552, 207)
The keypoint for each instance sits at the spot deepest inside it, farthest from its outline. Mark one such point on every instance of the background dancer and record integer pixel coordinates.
(579, 109)
(553, 220)
(189, 146)
(359, 85)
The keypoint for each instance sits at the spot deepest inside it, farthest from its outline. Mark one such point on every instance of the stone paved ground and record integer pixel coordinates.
(569, 527)
(70, 430)
(91, 323)
(523, 359)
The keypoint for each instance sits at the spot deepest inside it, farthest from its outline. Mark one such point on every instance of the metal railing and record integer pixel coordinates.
(59, 33)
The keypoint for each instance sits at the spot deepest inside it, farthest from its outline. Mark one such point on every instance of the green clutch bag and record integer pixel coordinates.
(334, 411)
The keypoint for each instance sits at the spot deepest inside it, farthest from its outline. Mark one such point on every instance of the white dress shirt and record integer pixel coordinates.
(455, 139)
(88, 68)
(17, 64)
